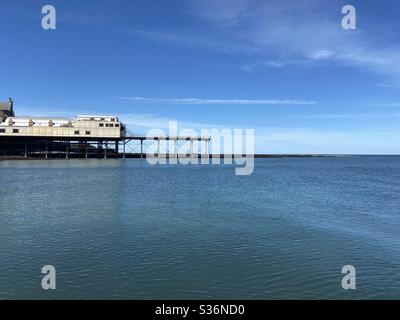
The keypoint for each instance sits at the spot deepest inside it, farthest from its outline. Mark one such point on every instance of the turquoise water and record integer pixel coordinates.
(125, 229)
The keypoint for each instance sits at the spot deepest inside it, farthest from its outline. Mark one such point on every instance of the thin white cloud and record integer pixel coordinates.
(334, 116)
(183, 39)
(278, 63)
(189, 40)
(197, 101)
(390, 104)
(387, 86)
(346, 115)
(321, 54)
(222, 13)
(304, 30)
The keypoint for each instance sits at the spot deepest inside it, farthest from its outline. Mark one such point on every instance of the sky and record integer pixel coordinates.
(286, 69)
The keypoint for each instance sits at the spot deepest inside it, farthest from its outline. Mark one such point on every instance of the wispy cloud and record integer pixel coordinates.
(307, 30)
(346, 115)
(183, 38)
(387, 86)
(304, 140)
(197, 101)
(334, 116)
(193, 41)
(390, 104)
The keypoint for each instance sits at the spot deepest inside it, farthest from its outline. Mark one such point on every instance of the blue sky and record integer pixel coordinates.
(284, 68)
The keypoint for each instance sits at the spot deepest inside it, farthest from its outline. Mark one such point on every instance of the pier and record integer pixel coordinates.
(86, 136)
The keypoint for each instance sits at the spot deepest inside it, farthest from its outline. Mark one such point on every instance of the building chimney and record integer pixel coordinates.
(11, 104)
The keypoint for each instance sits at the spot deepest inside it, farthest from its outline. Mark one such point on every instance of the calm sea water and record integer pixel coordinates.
(125, 229)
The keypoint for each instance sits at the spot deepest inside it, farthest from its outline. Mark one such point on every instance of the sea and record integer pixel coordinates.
(126, 229)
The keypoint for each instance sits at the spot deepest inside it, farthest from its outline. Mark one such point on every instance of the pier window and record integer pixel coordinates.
(101, 124)
(117, 125)
(2, 130)
(15, 130)
(87, 132)
(76, 132)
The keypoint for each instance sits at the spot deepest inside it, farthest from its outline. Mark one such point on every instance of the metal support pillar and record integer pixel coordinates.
(175, 148)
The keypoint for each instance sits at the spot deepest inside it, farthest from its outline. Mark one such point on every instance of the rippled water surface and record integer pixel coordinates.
(125, 229)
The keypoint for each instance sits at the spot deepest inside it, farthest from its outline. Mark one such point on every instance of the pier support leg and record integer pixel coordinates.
(141, 149)
(123, 155)
(191, 149)
(86, 151)
(66, 154)
(47, 152)
(175, 149)
(105, 150)
(203, 152)
(26, 151)
(158, 148)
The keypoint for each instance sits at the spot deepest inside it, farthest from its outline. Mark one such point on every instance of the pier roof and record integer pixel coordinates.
(5, 106)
